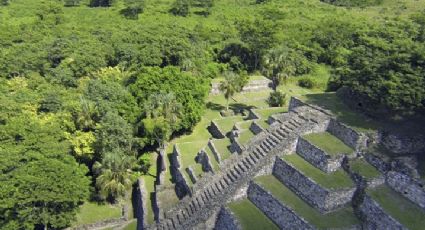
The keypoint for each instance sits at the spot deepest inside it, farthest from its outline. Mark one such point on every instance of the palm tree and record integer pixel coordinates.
(115, 175)
(278, 66)
(232, 84)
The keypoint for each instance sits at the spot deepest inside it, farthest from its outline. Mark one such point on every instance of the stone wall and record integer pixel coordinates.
(203, 159)
(215, 131)
(255, 128)
(323, 199)
(349, 136)
(280, 214)
(236, 147)
(408, 187)
(214, 151)
(252, 115)
(402, 144)
(377, 162)
(376, 218)
(142, 200)
(226, 220)
(252, 86)
(182, 187)
(318, 157)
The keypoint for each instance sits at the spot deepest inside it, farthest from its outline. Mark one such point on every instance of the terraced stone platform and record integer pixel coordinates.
(211, 193)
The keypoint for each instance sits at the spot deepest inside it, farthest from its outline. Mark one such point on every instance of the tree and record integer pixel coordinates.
(181, 8)
(207, 5)
(4, 2)
(42, 185)
(259, 34)
(101, 3)
(115, 175)
(133, 8)
(232, 84)
(278, 66)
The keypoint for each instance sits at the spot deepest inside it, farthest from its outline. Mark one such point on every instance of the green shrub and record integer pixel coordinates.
(276, 99)
(307, 83)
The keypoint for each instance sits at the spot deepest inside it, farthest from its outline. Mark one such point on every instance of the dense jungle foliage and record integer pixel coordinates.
(88, 86)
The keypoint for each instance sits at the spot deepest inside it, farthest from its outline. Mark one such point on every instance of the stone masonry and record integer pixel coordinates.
(210, 193)
(324, 199)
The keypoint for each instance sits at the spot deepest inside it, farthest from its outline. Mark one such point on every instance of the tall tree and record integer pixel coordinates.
(232, 84)
(133, 8)
(278, 66)
(181, 8)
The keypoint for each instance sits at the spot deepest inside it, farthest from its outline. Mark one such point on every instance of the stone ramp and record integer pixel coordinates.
(213, 192)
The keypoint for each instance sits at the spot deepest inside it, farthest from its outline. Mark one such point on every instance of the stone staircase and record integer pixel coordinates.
(211, 193)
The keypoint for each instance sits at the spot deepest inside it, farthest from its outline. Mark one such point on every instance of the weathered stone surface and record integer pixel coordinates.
(215, 131)
(318, 157)
(408, 187)
(182, 187)
(402, 144)
(280, 214)
(141, 204)
(252, 86)
(203, 159)
(349, 136)
(226, 220)
(235, 146)
(377, 162)
(255, 128)
(325, 200)
(376, 218)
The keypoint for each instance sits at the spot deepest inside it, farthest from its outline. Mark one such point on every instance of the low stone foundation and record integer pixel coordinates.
(347, 135)
(215, 131)
(226, 220)
(325, 200)
(255, 128)
(318, 157)
(141, 204)
(378, 163)
(376, 218)
(182, 187)
(280, 214)
(408, 187)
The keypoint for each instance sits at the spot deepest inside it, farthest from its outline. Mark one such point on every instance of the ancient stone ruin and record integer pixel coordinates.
(327, 183)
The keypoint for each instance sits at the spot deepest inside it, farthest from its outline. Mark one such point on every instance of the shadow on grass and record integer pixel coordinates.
(215, 106)
(331, 102)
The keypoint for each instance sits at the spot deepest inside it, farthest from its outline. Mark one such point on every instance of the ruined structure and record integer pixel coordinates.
(276, 151)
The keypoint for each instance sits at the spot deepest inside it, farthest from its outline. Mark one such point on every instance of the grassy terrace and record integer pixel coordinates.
(250, 217)
(226, 124)
(245, 136)
(91, 212)
(213, 161)
(338, 219)
(150, 186)
(266, 113)
(244, 124)
(403, 210)
(363, 168)
(222, 146)
(336, 180)
(328, 142)
(188, 152)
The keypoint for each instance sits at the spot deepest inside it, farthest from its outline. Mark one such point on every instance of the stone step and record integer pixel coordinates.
(286, 130)
(223, 183)
(253, 157)
(234, 173)
(266, 146)
(289, 126)
(293, 123)
(271, 141)
(238, 171)
(228, 180)
(200, 202)
(218, 187)
(281, 132)
(242, 166)
(247, 162)
(256, 154)
(274, 138)
(175, 222)
(231, 176)
(261, 150)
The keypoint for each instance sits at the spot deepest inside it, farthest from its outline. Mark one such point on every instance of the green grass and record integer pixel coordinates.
(250, 217)
(335, 180)
(329, 143)
(131, 226)
(244, 124)
(266, 113)
(188, 152)
(150, 179)
(245, 137)
(363, 168)
(342, 218)
(263, 124)
(91, 212)
(221, 146)
(331, 102)
(403, 210)
(226, 124)
(213, 161)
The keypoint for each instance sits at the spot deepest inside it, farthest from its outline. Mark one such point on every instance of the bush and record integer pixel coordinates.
(307, 83)
(276, 99)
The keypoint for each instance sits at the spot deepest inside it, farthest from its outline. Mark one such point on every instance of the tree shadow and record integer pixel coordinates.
(215, 106)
